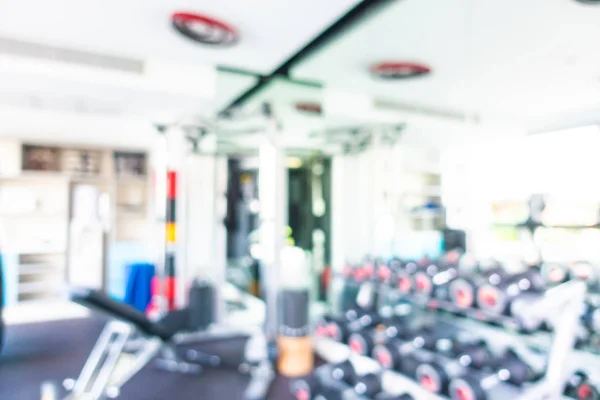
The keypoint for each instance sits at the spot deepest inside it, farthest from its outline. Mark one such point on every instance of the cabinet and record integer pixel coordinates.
(38, 223)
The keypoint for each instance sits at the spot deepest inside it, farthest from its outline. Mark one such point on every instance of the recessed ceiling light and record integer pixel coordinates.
(204, 29)
(309, 107)
(398, 70)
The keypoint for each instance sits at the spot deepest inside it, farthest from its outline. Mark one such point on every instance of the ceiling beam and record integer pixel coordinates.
(354, 15)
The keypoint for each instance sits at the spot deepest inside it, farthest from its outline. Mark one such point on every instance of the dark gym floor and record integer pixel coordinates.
(34, 353)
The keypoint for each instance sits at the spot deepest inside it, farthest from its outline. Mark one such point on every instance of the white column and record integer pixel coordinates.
(272, 180)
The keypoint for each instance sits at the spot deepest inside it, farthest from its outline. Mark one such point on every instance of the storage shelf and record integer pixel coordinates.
(40, 268)
(41, 287)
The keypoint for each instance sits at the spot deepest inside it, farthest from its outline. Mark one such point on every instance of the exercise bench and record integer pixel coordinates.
(130, 341)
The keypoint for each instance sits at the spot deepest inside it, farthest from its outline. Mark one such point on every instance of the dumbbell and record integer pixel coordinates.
(435, 376)
(306, 388)
(441, 284)
(384, 272)
(591, 318)
(579, 387)
(475, 385)
(319, 387)
(586, 272)
(404, 353)
(387, 396)
(370, 386)
(554, 273)
(423, 280)
(335, 327)
(496, 298)
(463, 289)
(363, 341)
(403, 277)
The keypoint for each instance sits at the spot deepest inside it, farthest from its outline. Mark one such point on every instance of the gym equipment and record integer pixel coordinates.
(368, 385)
(435, 376)
(361, 323)
(586, 272)
(422, 280)
(475, 385)
(591, 318)
(296, 356)
(404, 274)
(497, 299)
(363, 341)
(119, 353)
(463, 290)
(404, 353)
(554, 273)
(580, 387)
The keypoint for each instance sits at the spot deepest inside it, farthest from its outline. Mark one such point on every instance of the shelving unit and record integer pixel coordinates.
(36, 212)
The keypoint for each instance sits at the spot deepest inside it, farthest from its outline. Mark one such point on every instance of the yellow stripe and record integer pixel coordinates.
(170, 231)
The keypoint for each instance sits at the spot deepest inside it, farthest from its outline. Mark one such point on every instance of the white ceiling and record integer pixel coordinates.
(270, 30)
(505, 68)
(513, 60)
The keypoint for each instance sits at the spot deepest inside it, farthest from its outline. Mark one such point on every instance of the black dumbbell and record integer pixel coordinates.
(423, 280)
(591, 318)
(368, 385)
(385, 271)
(403, 277)
(404, 353)
(441, 283)
(496, 298)
(344, 372)
(334, 327)
(554, 273)
(306, 388)
(363, 341)
(387, 396)
(435, 376)
(584, 271)
(579, 387)
(340, 328)
(463, 289)
(475, 385)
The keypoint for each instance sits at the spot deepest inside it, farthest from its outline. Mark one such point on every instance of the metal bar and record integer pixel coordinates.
(114, 353)
(143, 357)
(91, 365)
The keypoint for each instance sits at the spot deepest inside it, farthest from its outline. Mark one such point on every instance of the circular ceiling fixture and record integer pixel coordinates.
(203, 29)
(596, 2)
(395, 70)
(309, 107)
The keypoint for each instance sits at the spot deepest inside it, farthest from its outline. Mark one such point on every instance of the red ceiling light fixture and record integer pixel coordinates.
(309, 107)
(204, 29)
(396, 70)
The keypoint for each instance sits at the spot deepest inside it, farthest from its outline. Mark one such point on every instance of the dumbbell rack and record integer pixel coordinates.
(393, 382)
(564, 300)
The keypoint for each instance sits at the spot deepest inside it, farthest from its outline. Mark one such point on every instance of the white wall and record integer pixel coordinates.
(54, 127)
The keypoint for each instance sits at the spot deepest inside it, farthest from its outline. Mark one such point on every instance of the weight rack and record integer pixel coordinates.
(566, 300)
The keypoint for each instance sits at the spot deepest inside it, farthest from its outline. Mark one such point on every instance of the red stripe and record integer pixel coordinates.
(171, 185)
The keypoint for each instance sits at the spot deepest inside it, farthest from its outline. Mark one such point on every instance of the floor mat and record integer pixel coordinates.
(56, 350)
